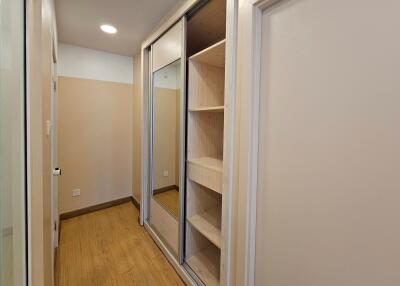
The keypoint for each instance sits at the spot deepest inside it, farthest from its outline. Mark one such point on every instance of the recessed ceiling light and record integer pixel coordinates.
(108, 29)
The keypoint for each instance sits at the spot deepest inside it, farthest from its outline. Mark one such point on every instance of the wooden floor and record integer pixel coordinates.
(109, 247)
(170, 201)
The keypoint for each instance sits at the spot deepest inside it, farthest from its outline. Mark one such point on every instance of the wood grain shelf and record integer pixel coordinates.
(206, 171)
(206, 264)
(205, 146)
(212, 163)
(208, 223)
(213, 55)
(208, 109)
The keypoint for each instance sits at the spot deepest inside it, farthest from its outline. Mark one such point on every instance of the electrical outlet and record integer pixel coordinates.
(166, 173)
(76, 192)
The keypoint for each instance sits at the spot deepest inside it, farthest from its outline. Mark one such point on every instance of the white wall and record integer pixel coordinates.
(86, 63)
(329, 161)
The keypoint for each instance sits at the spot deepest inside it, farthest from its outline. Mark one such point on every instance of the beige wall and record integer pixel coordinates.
(94, 141)
(137, 128)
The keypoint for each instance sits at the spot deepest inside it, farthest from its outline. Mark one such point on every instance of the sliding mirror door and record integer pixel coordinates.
(166, 138)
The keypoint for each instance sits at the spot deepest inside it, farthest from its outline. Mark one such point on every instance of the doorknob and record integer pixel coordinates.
(56, 172)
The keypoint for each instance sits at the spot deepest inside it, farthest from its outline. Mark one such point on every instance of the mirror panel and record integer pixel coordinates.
(166, 137)
(166, 124)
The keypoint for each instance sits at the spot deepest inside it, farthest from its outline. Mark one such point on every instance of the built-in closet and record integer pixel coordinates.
(205, 140)
(193, 239)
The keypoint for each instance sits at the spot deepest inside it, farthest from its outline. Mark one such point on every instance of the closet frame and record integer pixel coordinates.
(228, 179)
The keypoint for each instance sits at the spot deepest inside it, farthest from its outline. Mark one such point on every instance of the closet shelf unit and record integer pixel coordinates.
(206, 171)
(206, 82)
(203, 264)
(206, 32)
(208, 223)
(213, 55)
(211, 163)
(208, 109)
(206, 67)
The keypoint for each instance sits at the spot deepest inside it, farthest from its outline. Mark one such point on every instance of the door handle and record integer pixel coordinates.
(56, 172)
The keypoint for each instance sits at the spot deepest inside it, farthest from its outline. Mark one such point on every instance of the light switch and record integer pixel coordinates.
(166, 173)
(76, 192)
(48, 127)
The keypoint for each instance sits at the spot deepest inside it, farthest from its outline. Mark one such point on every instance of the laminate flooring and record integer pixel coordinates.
(170, 201)
(108, 248)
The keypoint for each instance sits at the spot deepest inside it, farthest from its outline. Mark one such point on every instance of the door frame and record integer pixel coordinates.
(248, 93)
(54, 149)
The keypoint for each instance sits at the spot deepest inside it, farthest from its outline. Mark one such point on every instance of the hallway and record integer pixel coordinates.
(109, 247)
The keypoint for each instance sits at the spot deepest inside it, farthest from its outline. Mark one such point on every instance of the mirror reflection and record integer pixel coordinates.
(166, 137)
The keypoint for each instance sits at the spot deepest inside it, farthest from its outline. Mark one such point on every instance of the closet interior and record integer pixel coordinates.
(205, 140)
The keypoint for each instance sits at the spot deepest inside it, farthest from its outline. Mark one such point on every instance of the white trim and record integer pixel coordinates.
(182, 138)
(230, 156)
(144, 90)
(248, 83)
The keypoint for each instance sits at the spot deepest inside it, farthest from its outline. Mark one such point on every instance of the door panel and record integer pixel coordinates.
(168, 48)
(166, 139)
(12, 144)
(328, 188)
(54, 157)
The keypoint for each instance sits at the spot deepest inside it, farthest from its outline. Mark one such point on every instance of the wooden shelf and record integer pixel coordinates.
(206, 264)
(205, 141)
(206, 171)
(208, 109)
(211, 163)
(213, 55)
(208, 223)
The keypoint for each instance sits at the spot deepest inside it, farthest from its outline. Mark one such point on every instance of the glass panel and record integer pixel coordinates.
(164, 205)
(12, 144)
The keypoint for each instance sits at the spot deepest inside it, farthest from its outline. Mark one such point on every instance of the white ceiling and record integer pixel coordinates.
(78, 22)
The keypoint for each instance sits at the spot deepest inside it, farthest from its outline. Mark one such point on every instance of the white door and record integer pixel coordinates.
(320, 95)
(13, 145)
(54, 157)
